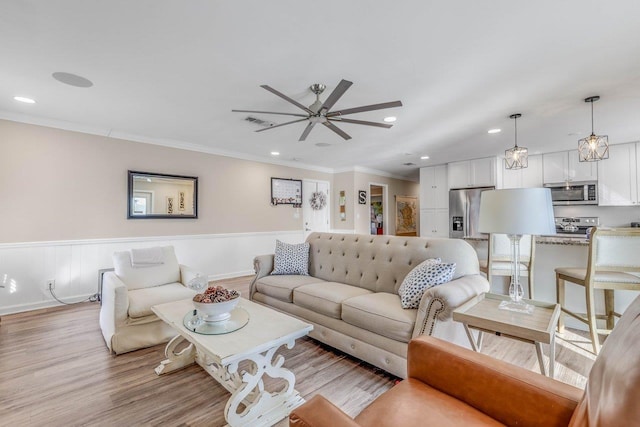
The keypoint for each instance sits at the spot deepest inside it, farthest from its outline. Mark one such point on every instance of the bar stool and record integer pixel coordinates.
(498, 262)
(613, 264)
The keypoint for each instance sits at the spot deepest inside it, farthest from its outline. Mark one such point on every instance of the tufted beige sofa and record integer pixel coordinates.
(350, 295)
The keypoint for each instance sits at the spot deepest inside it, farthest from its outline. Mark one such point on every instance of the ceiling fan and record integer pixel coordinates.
(319, 112)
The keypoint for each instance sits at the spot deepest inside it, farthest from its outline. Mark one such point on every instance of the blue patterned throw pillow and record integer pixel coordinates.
(291, 259)
(427, 274)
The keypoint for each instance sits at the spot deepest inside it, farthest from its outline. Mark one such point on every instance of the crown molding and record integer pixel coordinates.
(171, 143)
(363, 169)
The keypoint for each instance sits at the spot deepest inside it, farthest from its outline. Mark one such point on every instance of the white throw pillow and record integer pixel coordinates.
(425, 275)
(291, 259)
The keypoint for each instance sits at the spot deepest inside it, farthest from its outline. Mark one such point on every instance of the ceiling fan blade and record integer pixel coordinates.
(282, 124)
(307, 130)
(365, 108)
(337, 130)
(286, 98)
(269, 112)
(336, 94)
(360, 122)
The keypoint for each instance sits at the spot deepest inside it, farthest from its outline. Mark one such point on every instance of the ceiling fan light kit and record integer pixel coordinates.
(320, 112)
(516, 157)
(594, 147)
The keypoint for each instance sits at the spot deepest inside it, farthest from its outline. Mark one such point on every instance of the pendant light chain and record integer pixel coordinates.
(592, 132)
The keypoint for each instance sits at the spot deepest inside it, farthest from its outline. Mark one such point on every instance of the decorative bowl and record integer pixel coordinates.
(216, 311)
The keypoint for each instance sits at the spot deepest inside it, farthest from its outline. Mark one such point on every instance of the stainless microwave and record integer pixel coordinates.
(574, 193)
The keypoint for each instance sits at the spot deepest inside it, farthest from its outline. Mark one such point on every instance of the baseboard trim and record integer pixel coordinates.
(19, 308)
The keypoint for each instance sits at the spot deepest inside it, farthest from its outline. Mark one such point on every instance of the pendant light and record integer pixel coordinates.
(516, 157)
(594, 147)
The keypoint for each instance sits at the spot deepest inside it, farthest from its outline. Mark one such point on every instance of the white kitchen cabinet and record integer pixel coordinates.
(618, 176)
(434, 223)
(472, 173)
(434, 193)
(565, 166)
(529, 177)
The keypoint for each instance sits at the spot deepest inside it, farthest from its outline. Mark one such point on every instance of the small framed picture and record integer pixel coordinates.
(181, 201)
(362, 197)
(170, 205)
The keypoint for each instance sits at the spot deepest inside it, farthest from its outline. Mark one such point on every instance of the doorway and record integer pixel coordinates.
(315, 210)
(378, 208)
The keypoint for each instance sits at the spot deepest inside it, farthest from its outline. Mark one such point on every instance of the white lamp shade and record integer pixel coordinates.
(517, 211)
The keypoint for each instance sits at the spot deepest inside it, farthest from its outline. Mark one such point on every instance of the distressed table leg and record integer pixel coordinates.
(543, 371)
(176, 360)
(250, 403)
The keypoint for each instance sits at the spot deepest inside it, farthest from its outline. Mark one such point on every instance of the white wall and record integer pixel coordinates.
(26, 267)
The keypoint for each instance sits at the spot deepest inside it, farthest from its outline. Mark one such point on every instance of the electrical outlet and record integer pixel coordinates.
(51, 284)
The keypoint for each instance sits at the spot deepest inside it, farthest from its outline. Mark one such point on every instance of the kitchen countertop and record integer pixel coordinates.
(556, 239)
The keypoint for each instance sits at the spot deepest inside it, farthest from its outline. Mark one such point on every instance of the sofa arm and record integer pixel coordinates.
(187, 274)
(438, 302)
(505, 392)
(114, 311)
(319, 412)
(263, 266)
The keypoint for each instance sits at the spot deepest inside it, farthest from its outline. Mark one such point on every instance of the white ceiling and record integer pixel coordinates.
(171, 71)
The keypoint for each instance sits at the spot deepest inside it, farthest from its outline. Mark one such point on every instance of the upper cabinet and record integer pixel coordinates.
(564, 166)
(434, 193)
(472, 173)
(618, 176)
(528, 177)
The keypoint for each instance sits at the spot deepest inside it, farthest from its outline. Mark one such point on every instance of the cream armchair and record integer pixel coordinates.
(129, 292)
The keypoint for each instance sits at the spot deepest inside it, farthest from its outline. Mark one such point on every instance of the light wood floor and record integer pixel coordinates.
(55, 370)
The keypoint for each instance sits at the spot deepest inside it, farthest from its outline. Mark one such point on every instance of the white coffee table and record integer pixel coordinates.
(220, 355)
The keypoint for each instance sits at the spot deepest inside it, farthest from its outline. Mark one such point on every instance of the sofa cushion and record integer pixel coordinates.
(146, 277)
(291, 259)
(421, 278)
(326, 297)
(281, 287)
(141, 300)
(380, 313)
(414, 403)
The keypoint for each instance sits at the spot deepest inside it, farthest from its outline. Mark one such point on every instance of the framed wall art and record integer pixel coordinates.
(362, 197)
(406, 216)
(286, 191)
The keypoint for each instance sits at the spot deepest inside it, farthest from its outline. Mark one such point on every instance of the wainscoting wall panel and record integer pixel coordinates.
(25, 268)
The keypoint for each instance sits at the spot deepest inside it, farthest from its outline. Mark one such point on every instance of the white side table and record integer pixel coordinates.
(482, 313)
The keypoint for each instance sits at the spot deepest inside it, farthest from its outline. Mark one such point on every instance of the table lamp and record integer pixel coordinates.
(515, 212)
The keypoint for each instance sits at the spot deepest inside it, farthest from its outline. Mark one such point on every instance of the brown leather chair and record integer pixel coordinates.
(449, 385)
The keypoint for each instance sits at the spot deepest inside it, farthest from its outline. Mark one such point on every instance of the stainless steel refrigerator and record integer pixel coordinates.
(464, 212)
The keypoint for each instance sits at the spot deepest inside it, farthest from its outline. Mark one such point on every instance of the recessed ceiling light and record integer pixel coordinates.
(322, 144)
(275, 153)
(424, 158)
(494, 130)
(24, 99)
(390, 119)
(71, 79)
